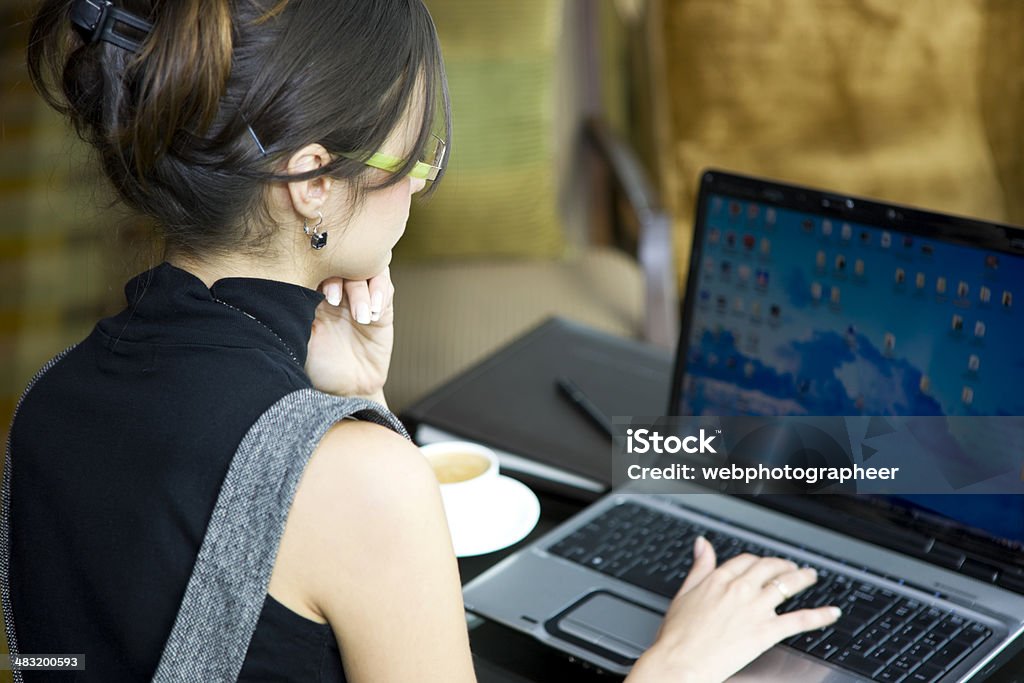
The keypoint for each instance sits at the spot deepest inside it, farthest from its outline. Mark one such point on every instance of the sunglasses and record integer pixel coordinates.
(426, 168)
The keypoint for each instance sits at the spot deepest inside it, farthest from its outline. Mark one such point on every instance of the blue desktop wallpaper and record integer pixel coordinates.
(799, 314)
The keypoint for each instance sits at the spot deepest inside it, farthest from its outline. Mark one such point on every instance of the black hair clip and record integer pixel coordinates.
(99, 19)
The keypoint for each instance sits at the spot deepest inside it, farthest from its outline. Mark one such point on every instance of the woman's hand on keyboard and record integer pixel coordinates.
(724, 617)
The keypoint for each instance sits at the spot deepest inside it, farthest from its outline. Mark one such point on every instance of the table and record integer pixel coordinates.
(502, 655)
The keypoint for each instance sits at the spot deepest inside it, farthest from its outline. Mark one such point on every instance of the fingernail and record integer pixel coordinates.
(363, 314)
(698, 547)
(837, 612)
(375, 316)
(333, 293)
(377, 304)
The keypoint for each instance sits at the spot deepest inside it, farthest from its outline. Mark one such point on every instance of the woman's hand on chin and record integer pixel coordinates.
(350, 345)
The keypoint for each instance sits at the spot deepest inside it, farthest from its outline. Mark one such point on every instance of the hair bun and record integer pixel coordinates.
(131, 96)
(183, 70)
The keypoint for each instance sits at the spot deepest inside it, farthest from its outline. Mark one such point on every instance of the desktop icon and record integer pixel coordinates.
(851, 336)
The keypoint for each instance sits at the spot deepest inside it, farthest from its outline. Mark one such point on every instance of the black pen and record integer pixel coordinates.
(575, 395)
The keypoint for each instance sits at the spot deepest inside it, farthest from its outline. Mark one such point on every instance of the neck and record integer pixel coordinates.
(290, 269)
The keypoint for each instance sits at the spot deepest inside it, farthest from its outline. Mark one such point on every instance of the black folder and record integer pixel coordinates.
(510, 400)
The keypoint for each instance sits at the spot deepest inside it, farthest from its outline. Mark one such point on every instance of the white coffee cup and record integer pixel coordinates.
(465, 472)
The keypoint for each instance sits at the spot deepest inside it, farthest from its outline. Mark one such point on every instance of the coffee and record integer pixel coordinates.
(451, 468)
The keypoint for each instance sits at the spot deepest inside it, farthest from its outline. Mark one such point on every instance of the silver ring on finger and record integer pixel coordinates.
(781, 587)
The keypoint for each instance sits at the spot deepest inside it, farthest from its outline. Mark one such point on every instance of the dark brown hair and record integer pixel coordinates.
(170, 123)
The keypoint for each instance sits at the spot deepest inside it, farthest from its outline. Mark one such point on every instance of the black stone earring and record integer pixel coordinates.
(317, 240)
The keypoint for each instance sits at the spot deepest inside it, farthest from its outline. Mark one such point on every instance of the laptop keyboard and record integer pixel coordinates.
(881, 635)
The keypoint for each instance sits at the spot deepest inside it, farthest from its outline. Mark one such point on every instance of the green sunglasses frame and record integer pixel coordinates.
(421, 170)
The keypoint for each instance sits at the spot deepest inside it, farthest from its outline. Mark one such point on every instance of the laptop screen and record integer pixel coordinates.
(801, 302)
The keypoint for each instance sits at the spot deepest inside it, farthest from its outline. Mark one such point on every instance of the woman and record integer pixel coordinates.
(278, 144)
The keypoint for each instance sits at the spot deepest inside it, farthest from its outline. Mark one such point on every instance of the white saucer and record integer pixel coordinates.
(507, 511)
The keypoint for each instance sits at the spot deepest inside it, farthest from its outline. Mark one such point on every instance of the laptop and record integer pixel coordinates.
(931, 586)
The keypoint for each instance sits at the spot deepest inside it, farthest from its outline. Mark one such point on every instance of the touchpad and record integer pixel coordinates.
(611, 623)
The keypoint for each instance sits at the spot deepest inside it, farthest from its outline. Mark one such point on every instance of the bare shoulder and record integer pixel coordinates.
(367, 500)
(367, 459)
(359, 467)
(366, 548)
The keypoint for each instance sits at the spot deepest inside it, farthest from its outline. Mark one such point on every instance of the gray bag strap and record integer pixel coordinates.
(229, 581)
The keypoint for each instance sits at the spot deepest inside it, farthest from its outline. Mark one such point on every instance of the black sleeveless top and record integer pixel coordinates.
(118, 454)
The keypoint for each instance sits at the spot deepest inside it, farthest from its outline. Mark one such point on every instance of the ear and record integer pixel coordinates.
(309, 196)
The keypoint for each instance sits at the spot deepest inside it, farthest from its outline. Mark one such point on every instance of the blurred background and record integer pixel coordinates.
(581, 129)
